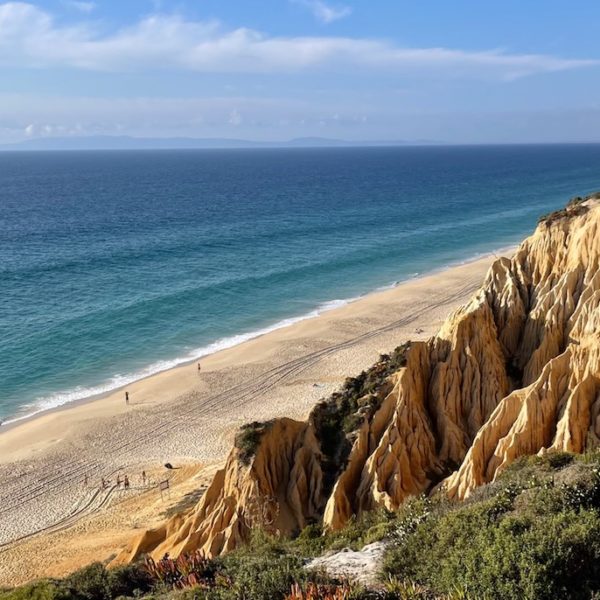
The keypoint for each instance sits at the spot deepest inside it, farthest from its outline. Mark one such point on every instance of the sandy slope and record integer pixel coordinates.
(187, 418)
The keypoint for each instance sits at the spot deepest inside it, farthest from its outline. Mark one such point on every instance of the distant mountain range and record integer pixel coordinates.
(182, 143)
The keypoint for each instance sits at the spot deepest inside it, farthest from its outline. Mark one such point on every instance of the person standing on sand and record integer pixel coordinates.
(126, 482)
(199, 367)
(144, 477)
(119, 481)
(126, 397)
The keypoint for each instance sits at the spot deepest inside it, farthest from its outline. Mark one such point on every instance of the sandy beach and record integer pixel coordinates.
(52, 465)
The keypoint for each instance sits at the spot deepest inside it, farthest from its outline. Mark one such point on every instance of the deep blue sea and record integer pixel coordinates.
(115, 265)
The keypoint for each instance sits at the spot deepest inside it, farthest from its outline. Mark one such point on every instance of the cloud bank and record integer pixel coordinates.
(31, 38)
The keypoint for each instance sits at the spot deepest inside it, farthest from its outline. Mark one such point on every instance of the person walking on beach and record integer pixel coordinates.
(126, 397)
(119, 481)
(126, 482)
(144, 477)
(199, 367)
(103, 483)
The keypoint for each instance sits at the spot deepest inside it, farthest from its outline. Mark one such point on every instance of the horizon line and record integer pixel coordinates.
(307, 142)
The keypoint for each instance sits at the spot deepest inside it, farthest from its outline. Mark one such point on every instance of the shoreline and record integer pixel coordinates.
(52, 464)
(37, 433)
(226, 343)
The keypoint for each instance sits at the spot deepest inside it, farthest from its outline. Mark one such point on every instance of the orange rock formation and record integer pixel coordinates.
(516, 371)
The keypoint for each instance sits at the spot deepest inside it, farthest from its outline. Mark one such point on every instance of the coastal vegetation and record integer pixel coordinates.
(575, 207)
(248, 439)
(337, 418)
(534, 533)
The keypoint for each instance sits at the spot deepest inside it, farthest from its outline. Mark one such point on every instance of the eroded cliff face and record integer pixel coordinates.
(516, 371)
(278, 489)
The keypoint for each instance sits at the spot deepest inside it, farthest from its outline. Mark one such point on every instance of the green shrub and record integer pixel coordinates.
(337, 418)
(248, 439)
(128, 580)
(311, 541)
(39, 590)
(267, 574)
(490, 549)
(89, 583)
(95, 582)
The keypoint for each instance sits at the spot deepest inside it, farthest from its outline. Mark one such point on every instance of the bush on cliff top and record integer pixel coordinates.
(574, 208)
(337, 418)
(535, 534)
(248, 439)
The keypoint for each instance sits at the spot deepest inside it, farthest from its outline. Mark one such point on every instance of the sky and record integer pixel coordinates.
(461, 71)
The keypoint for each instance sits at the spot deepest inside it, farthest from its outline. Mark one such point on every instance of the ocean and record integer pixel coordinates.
(117, 265)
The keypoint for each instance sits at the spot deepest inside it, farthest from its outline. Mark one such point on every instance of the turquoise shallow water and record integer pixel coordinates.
(115, 265)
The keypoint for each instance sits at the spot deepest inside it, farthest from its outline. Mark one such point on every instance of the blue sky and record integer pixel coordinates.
(460, 72)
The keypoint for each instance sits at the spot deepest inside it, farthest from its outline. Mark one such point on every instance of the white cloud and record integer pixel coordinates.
(324, 12)
(80, 5)
(49, 129)
(30, 38)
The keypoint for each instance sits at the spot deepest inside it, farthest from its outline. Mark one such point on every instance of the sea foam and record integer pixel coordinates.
(79, 393)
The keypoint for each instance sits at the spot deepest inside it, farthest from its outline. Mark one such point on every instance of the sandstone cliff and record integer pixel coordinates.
(516, 371)
(278, 488)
